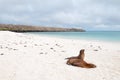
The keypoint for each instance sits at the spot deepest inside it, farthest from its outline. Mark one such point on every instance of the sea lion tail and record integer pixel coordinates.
(89, 65)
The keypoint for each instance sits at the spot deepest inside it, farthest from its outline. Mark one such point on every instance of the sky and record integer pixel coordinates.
(91, 15)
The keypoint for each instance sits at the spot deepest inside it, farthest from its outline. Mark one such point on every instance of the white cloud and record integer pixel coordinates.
(90, 14)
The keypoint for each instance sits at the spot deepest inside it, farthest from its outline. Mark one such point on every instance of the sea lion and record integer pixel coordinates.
(79, 61)
(76, 59)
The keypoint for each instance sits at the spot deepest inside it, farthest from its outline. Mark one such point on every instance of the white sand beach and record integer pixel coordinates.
(33, 57)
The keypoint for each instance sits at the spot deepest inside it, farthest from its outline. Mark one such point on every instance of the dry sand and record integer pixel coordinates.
(30, 57)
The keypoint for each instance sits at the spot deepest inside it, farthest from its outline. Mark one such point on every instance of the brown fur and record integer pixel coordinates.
(83, 64)
(79, 61)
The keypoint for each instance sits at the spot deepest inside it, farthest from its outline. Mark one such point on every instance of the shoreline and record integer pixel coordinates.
(76, 39)
(30, 57)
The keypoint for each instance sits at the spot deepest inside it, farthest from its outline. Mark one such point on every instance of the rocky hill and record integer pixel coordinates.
(26, 28)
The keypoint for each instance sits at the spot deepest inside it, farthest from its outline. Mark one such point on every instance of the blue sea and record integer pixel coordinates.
(112, 36)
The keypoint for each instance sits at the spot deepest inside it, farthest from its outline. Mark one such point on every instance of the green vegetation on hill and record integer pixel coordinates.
(25, 28)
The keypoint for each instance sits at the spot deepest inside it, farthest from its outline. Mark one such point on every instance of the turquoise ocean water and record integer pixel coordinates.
(112, 36)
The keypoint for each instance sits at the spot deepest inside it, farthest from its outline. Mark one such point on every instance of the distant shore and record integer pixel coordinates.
(32, 57)
(26, 28)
